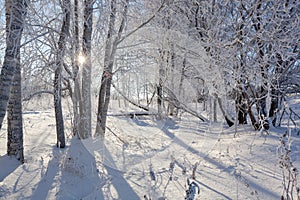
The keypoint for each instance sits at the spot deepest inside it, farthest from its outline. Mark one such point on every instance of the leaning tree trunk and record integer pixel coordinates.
(14, 117)
(101, 117)
(110, 52)
(15, 14)
(86, 70)
(58, 74)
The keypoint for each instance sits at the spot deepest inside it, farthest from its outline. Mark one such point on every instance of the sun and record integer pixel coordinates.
(81, 59)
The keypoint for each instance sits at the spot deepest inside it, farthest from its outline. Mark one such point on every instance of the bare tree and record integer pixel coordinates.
(76, 93)
(64, 32)
(110, 52)
(86, 69)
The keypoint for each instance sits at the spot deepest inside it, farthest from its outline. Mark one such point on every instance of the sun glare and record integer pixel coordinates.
(81, 59)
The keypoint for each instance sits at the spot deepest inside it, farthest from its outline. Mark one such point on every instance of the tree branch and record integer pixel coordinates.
(37, 93)
(130, 101)
(141, 25)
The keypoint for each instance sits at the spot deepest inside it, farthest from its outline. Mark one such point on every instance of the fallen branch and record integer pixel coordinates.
(194, 113)
(132, 114)
(179, 105)
(124, 142)
(130, 101)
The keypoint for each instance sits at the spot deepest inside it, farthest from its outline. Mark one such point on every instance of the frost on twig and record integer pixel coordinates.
(193, 190)
(291, 189)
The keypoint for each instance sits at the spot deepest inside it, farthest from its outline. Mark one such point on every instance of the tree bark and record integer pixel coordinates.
(15, 14)
(110, 51)
(14, 117)
(58, 74)
(241, 109)
(87, 69)
(76, 95)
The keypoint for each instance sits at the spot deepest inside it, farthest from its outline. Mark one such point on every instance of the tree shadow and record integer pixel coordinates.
(124, 190)
(79, 170)
(122, 187)
(220, 166)
(72, 173)
(8, 164)
(48, 177)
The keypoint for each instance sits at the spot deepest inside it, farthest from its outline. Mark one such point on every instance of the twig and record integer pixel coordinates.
(141, 25)
(37, 93)
(116, 135)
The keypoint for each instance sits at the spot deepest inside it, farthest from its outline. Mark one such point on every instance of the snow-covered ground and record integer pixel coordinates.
(145, 158)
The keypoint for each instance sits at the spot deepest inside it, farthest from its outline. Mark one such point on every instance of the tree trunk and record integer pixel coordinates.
(58, 74)
(215, 109)
(60, 135)
(101, 117)
(161, 75)
(76, 94)
(262, 115)
(241, 109)
(110, 51)
(14, 117)
(228, 119)
(15, 14)
(159, 97)
(87, 69)
(274, 106)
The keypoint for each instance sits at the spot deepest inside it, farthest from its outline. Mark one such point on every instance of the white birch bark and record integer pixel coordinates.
(86, 69)
(15, 14)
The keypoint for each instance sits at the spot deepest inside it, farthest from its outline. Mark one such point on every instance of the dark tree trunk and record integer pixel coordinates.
(110, 51)
(106, 76)
(58, 74)
(159, 97)
(273, 106)
(241, 109)
(60, 135)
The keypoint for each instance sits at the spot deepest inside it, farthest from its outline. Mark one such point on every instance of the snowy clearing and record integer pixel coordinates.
(145, 158)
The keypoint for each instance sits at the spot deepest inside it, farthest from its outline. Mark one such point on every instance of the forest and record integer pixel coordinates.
(160, 99)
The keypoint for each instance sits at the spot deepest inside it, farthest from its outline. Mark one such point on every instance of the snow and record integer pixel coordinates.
(145, 158)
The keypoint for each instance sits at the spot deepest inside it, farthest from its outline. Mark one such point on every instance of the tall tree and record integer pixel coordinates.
(110, 52)
(15, 14)
(87, 69)
(64, 32)
(76, 94)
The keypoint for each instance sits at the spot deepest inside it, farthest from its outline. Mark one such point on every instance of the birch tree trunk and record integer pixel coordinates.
(15, 14)
(58, 74)
(14, 116)
(86, 70)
